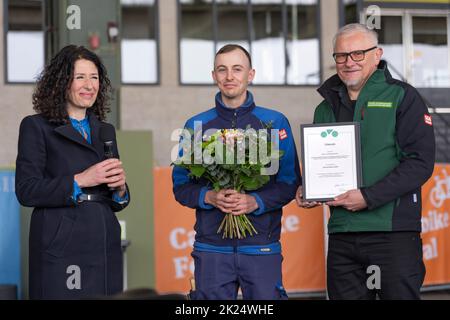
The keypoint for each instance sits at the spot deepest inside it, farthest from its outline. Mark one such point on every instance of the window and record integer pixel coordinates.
(232, 23)
(416, 46)
(282, 37)
(139, 48)
(349, 12)
(303, 65)
(268, 43)
(24, 35)
(430, 65)
(197, 44)
(390, 38)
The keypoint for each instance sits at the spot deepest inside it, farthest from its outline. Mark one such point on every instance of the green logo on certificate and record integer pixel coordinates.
(331, 132)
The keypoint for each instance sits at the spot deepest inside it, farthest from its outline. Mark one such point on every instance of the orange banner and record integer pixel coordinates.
(435, 226)
(174, 237)
(302, 238)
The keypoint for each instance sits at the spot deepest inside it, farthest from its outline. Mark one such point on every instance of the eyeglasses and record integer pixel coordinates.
(357, 55)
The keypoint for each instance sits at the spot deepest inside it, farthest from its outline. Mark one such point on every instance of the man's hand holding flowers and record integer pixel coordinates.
(231, 201)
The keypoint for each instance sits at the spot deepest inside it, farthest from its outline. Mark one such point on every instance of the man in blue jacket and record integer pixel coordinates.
(253, 263)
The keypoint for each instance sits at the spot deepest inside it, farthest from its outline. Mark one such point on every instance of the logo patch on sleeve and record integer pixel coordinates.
(283, 134)
(428, 119)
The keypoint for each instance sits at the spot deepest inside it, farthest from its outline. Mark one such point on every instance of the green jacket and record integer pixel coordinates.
(397, 151)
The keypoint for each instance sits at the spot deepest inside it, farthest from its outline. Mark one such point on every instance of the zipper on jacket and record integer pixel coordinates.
(271, 227)
(234, 120)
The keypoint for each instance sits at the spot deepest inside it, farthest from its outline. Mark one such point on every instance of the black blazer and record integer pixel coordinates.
(75, 249)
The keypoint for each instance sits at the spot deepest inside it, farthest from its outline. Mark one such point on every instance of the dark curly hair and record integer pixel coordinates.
(50, 94)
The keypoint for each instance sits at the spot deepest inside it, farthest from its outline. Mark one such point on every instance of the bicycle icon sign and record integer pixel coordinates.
(441, 190)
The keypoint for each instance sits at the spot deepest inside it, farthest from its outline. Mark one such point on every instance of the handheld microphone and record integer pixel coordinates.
(108, 149)
(107, 137)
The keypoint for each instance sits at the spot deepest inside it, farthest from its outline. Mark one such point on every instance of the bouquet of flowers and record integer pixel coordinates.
(233, 159)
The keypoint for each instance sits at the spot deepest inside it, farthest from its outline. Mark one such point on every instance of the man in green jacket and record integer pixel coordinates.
(374, 232)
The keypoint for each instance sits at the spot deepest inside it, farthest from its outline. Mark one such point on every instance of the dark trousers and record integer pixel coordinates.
(218, 276)
(355, 260)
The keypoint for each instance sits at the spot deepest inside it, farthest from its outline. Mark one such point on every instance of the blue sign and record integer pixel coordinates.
(9, 231)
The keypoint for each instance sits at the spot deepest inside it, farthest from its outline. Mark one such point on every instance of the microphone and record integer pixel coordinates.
(107, 137)
(108, 149)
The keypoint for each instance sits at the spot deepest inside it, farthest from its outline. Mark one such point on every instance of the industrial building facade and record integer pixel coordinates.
(163, 51)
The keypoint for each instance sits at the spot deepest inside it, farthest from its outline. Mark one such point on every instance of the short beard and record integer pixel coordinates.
(352, 83)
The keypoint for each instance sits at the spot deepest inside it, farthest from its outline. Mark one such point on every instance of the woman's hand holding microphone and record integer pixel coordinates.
(109, 171)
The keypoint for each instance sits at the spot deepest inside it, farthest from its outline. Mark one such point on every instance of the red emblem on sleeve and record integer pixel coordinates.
(283, 134)
(428, 119)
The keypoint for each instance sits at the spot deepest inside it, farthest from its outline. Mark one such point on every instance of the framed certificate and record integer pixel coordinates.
(331, 159)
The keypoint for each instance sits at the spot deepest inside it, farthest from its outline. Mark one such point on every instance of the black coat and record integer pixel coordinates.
(67, 240)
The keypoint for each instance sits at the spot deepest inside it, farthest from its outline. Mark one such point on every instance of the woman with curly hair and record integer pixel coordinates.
(61, 171)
